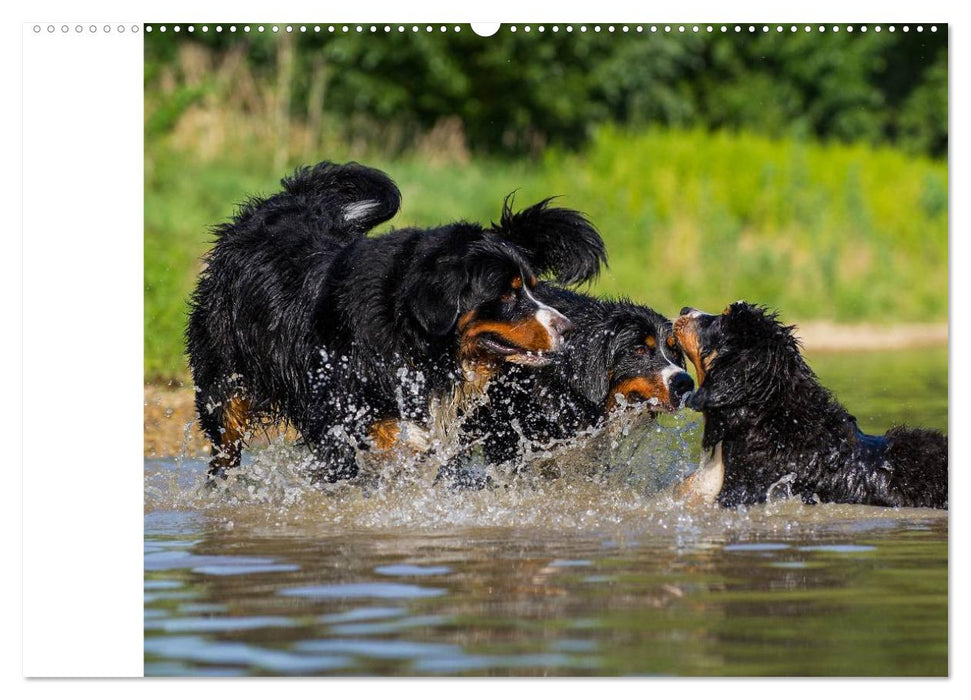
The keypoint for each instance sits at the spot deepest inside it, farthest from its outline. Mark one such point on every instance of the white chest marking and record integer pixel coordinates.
(705, 483)
(415, 436)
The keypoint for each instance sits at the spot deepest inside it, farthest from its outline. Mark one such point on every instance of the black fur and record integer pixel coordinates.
(576, 392)
(763, 403)
(299, 316)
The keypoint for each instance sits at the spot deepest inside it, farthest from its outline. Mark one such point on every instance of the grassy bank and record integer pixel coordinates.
(842, 233)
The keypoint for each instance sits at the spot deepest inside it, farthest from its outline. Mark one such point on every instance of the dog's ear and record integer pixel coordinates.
(434, 300)
(590, 364)
(557, 242)
(716, 395)
(742, 380)
(596, 383)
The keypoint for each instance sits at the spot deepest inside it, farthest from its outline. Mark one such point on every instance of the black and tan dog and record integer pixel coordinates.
(300, 316)
(618, 353)
(768, 421)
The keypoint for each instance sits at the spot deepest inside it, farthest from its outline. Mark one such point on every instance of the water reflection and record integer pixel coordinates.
(883, 389)
(851, 591)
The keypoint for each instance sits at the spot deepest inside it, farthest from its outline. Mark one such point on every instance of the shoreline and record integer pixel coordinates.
(169, 411)
(829, 336)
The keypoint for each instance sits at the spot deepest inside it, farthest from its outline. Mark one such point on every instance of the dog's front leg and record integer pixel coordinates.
(462, 472)
(335, 457)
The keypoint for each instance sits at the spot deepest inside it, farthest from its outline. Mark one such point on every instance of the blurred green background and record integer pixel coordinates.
(803, 170)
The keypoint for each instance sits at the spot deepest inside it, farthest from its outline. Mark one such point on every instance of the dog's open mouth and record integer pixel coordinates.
(510, 352)
(636, 402)
(650, 403)
(639, 393)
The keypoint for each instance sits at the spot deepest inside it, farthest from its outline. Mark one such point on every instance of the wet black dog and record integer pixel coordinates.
(617, 353)
(300, 316)
(768, 421)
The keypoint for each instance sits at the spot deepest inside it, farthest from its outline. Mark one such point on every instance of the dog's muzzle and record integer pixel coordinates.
(679, 387)
(556, 325)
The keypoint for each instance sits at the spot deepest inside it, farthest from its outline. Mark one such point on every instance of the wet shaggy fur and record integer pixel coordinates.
(301, 316)
(774, 421)
(606, 361)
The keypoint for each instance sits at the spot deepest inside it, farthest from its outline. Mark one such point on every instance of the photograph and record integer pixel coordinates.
(546, 350)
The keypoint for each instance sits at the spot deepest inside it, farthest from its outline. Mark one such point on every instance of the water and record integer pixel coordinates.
(536, 577)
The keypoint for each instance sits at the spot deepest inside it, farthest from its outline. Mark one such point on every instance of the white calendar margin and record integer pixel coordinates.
(82, 364)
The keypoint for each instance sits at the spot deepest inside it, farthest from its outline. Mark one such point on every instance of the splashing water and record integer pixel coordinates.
(623, 471)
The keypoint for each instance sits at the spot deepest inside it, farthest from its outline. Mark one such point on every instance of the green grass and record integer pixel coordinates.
(850, 233)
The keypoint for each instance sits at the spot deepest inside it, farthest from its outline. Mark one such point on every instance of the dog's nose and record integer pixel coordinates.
(556, 325)
(680, 385)
(561, 324)
(687, 310)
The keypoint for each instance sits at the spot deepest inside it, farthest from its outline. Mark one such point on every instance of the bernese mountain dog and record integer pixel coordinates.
(618, 353)
(300, 316)
(769, 423)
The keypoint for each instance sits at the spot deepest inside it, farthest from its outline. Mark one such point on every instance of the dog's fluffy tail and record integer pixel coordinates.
(354, 197)
(339, 201)
(558, 242)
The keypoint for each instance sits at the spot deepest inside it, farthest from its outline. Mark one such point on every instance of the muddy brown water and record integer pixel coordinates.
(575, 576)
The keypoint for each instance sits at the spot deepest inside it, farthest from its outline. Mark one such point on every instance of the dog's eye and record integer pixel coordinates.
(508, 297)
(640, 350)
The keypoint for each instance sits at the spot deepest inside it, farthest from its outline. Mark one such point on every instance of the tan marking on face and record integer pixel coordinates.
(651, 342)
(527, 334)
(671, 342)
(384, 434)
(644, 388)
(686, 333)
(532, 281)
(465, 319)
(517, 282)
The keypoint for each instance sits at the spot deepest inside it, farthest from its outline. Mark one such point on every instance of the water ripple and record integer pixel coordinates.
(411, 570)
(364, 590)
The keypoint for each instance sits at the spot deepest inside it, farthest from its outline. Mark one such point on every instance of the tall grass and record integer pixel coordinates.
(821, 231)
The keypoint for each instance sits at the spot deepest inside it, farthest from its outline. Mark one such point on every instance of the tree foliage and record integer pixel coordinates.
(518, 92)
